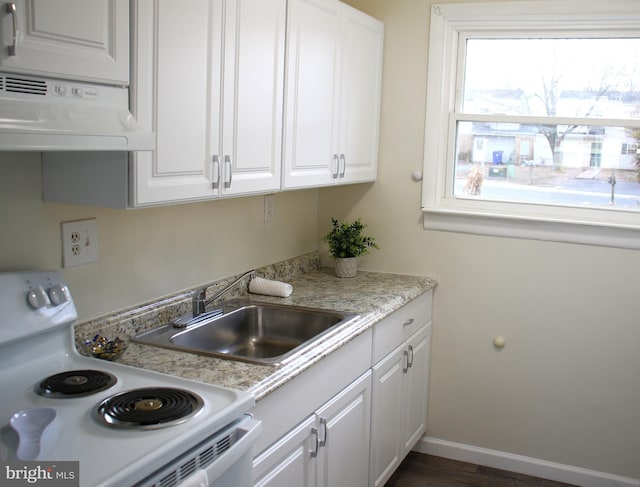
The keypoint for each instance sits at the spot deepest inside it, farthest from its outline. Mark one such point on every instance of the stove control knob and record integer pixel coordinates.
(58, 294)
(38, 298)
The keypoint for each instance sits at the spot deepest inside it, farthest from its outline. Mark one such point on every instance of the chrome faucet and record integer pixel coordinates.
(199, 302)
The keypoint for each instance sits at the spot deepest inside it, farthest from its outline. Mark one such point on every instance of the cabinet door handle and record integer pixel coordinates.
(215, 172)
(405, 368)
(344, 165)
(323, 423)
(410, 357)
(408, 322)
(227, 162)
(314, 452)
(13, 11)
(336, 166)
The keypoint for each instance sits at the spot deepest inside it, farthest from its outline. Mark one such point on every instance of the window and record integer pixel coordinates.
(533, 120)
(630, 149)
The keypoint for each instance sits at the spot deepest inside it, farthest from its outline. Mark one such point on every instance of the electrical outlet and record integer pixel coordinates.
(79, 242)
(269, 208)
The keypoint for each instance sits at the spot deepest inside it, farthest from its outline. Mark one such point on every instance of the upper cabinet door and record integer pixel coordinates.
(82, 39)
(209, 80)
(361, 86)
(178, 54)
(312, 105)
(332, 94)
(251, 151)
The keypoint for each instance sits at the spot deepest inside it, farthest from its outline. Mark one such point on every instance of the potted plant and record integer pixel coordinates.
(346, 243)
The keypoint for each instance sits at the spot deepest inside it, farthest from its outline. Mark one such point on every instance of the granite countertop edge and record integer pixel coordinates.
(372, 295)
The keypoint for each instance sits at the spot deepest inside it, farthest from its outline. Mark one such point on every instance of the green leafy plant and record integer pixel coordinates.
(347, 240)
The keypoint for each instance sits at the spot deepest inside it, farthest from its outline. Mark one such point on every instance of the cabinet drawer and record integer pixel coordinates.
(394, 329)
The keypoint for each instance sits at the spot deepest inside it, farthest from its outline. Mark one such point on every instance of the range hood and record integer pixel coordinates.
(46, 114)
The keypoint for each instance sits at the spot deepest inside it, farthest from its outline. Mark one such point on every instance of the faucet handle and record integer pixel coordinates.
(198, 303)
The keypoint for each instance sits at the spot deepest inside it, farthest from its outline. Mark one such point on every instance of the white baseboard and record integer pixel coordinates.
(521, 464)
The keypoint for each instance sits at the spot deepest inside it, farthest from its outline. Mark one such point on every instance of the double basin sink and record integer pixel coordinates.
(248, 331)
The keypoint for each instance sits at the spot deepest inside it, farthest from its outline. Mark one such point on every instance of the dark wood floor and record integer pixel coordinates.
(420, 470)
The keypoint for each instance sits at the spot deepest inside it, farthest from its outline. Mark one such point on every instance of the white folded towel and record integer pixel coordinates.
(259, 285)
(199, 478)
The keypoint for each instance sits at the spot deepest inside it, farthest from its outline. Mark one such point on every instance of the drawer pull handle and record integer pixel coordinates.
(406, 365)
(408, 322)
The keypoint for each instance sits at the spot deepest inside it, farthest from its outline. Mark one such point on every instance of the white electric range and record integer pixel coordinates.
(125, 426)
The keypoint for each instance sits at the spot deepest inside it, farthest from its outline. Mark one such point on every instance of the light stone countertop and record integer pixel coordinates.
(370, 294)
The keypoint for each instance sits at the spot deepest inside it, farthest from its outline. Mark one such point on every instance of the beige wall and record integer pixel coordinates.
(149, 252)
(566, 388)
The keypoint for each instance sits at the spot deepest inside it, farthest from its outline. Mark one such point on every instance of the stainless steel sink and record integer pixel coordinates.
(262, 333)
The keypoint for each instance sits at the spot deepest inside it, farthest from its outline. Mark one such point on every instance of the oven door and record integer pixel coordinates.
(223, 460)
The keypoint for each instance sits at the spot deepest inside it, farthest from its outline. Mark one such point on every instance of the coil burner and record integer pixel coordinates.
(75, 383)
(148, 408)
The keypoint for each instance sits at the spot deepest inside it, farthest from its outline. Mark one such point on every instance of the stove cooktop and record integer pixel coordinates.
(75, 383)
(149, 407)
(106, 454)
(39, 366)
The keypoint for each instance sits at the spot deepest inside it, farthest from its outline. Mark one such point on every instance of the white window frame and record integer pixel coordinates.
(442, 211)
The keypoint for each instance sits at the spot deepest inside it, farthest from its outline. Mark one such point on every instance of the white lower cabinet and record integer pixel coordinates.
(416, 388)
(330, 448)
(344, 435)
(402, 345)
(350, 419)
(387, 403)
(289, 461)
(399, 404)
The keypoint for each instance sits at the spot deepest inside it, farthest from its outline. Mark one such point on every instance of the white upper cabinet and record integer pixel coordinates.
(360, 96)
(231, 113)
(84, 39)
(312, 105)
(332, 94)
(251, 149)
(209, 81)
(173, 78)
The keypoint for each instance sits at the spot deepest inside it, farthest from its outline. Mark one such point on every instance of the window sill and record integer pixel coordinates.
(532, 228)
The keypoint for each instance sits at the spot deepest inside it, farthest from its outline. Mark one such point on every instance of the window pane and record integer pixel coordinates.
(548, 164)
(553, 77)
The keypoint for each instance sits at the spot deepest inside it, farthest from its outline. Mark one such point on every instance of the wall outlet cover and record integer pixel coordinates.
(79, 242)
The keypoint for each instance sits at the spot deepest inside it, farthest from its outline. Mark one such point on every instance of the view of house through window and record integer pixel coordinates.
(549, 121)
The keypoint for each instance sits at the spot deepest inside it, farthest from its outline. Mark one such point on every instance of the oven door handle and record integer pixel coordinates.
(250, 429)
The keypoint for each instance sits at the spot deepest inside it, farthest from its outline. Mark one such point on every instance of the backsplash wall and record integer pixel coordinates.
(148, 252)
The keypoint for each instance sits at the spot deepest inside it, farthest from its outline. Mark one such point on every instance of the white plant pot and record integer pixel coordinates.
(346, 266)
